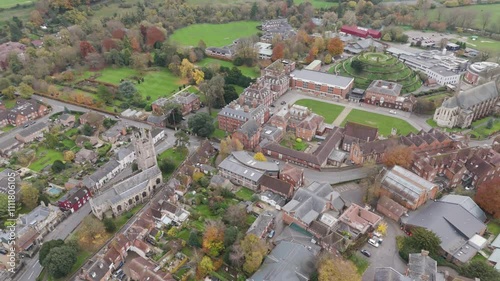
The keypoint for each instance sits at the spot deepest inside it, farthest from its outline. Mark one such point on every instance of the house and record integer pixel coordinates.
(247, 174)
(81, 140)
(271, 133)
(362, 45)
(29, 240)
(67, 120)
(158, 106)
(73, 201)
(224, 53)
(355, 132)
(389, 274)
(9, 146)
(467, 106)
(37, 43)
(289, 260)
(126, 155)
(26, 110)
(276, 28)
(316, 159)
(481, 170)
(277, 186)
(143, 269)
(361, 32)
(169, 212)
(233, 115)
(4, 117)
(157, 120)
(258, 92)
(112, 134)
(32, 132)
(387, 94)
(248, 134)
(85, 155)
(43, 219)
(277, 75)
(301, 120)
(292, 175)
(459, 230)
(188, 102)
(390, 208)
(406, 188)
(357, 95)
(265, 50)
(359, 220)
(311, 203)
(157, 134)
(94, 119)
(321, 84)
(273, 199)
(106, 172)
(263, 224)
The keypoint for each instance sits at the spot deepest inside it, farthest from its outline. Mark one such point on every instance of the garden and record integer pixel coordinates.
(292, 142)
(329, 111)
(382, 122)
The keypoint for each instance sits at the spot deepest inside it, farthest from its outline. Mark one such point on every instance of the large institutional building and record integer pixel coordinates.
(467, 106)
(136, 188)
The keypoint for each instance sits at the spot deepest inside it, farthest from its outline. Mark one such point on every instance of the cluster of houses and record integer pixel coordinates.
(188, 103)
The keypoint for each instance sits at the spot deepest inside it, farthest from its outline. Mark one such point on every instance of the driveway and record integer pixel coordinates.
(386, 255)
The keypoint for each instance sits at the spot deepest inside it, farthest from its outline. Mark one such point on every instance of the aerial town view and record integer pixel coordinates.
(250, 140)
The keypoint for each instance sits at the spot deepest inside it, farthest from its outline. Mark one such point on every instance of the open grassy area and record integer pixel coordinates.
(156, 83)
(317, 4)
(382, 122)
(494, 227)
(45, 157)
(327, 110)
(480, 129)
(360, 263)
(299, 146)
(11, 3)
(494, 9)
(484, 44)
(252, 72)
(217, 35)
(218, 133)
(177, 155)
(244, 194)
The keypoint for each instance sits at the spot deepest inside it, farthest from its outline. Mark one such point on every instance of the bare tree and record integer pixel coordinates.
(485, 18)
(213, 89)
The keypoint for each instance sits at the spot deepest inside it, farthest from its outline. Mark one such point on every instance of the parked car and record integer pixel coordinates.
(373, 242)
(118, 273)
(377, 234)
(272, 105)
(366, 253)
(393, 112)
(283, 102)
(271, 234)
(3, 251)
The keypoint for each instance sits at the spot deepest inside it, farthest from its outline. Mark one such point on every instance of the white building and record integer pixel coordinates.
(265, 50)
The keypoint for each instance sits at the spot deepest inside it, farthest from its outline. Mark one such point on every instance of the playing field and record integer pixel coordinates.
(327, 110)
(11, 3)
(494, 9)
(156, 83)
(252, 72)
(317, 4)
(484, 44)
(382, 122)
(215, 34)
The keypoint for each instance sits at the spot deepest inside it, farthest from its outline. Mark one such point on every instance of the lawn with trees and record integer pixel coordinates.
(252, 72)
(382, 122)
(329, 111)
(214, 35)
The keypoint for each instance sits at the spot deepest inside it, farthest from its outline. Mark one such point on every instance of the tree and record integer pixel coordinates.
(25, 90)
(234, 214)
(382, 228)
(173, 112)
(400, 155)
(10, 92)
(181, 138)
(357, 66)
(201, 124)
(231, 233)
(213, 238)
(109, 225)
(213, 89)
(254, 250)
(336, 269)
(489, 125)
(335, 46)
(127, 89)
(58, 166)
(480, 269)
(69, 155)
(425, 239)
(327, 59)
(194, 239)
(230, 93)
(90, 229)
(349, 18)
(205, 267)
(329, 19)
(29, 195)
(278, 51)
(46, 247)
(36, 18)
(166, 165)
(260, 157)
(87, 129)
(488, 197)
(154, 35)
(186, 68)
(86, 48)
(60, 260)
(198, 76)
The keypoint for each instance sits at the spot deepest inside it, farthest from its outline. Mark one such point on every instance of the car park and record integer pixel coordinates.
(373, 242)
(366, 253)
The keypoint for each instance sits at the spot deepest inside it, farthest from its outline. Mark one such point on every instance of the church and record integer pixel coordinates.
(467, 106)
(135, 189)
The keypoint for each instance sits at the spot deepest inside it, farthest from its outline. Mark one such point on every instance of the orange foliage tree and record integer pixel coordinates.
(335, 46)
(488, 197)
(213, 238)
(278, 51)
(399, 155)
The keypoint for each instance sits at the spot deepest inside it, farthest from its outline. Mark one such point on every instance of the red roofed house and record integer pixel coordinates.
(277, 186)
(361, 32)
(74, 201)
(292, 175)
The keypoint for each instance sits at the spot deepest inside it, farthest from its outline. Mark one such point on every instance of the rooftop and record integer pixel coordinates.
(323, 78)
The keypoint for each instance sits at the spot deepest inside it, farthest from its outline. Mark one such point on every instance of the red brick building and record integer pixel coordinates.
(390, 208)
(388, 94)
(258, 92)
(292, 175)
(277, 75)
(248, 134)
(321, 84)
(74, 201)
(26, 110)
(277, 186)
(234, 115)
(361, 32)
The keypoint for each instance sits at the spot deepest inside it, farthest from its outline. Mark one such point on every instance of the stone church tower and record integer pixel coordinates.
(144, 149)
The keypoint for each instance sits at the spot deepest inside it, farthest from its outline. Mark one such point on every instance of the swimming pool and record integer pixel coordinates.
(54, 191)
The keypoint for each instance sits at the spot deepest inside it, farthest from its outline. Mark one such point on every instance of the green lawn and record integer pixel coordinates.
(218, 133)
(174, 154)
(4, 4)
(327, 110)
(317, 4)
(216, 35)
(7, 128)
(480, 129)
(360, 263)
(7, 14)
(244, 194)
(299, 146)
(382, 122)
(252, 72)
(156, 83)
(494, 9)
(45, 157)
(485, 44)
(494, 227)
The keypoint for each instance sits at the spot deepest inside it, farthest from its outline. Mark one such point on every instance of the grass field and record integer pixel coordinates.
(317, 4)
(21, 13)
(382, 122)
(45, 157)
(493, 8)
(494, 227)
(327, 110)
(174, 154)
(4, 4)
(484, 44)
(252, 72)
(360, 263)
(244, 194)
(215, 34)
(156, 83)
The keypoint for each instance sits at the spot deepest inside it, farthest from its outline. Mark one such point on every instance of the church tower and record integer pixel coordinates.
(144, 149)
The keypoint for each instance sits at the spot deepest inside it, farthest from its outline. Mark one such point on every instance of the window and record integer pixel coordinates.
(306, 85)
(317, 87)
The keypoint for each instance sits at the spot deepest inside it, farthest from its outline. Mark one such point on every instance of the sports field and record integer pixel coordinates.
(317, 4)
(329, 111)
(382, 122)
(217, 35)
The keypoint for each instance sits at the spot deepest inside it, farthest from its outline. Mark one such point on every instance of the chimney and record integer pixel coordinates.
(379, 84)
(444, 51)
(241, 100)
(232, 104)
(254, 103)
(246, 108)
(390, 85)
(424, 253)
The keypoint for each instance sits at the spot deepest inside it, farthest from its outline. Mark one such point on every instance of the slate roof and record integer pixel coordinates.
(385, 88)
(406, 184)
(249, 128)
(359, 131)
(496, 242)
(292, 171)
(35, 216)
(8, 143)
(287, 262)
(156, 119)
(473, 96)
(233, 165)
(322, 78)
(33, 129)
(101, 172)
(261, 223)
(421, 267)
(246, 159)
(124, 152)
(389, 274)
(239, 113)
(276, 185)
(467, 203)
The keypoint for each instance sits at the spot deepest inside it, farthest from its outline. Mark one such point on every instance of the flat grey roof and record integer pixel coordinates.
(233, 165)
(322, 77)
(246, 159)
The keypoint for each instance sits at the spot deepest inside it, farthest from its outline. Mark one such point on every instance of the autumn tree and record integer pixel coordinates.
(154, 35)
(69, 155)
(260, 157)
(36, 18)
(25, 90)
(29, 195)
(488, 197)
(213, 238)
(234, 214)
(400, 155)
(349, 17)
(335, 46)
(86, 48)
(278, 51)
(186, 68)
(382, 228)
(10, 92)
(90, 229)
(254, 250)
(198, 76)
(204, 267)
(336, 269)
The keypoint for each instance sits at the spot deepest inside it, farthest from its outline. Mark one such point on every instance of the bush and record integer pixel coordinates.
(109, 225)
